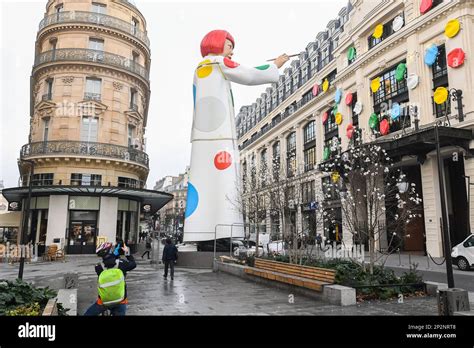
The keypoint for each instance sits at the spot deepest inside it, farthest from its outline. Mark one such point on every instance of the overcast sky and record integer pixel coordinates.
(262, 30)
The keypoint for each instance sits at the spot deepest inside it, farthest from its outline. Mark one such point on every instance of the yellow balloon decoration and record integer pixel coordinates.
(335, 177)
(378, 32)
(325, 85)
(375, 85)
(440, 95)
(338, 118)
(452, 28)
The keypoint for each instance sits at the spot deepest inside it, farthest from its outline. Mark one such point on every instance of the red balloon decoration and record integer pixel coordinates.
(384, 127)
(349, 98)
(350, 130)
(315, 90)
(425, 6)
(325, 117)
(456, 58)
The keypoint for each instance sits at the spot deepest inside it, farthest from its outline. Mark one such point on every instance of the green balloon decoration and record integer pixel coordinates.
(400, 72)
(373, 121)
(351, 54)
(326, 153)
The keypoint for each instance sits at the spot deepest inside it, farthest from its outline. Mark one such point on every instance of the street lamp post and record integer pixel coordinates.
(444, 218)
(26, 217)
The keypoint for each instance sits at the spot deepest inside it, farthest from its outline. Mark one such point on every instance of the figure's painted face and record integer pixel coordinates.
(228, 49)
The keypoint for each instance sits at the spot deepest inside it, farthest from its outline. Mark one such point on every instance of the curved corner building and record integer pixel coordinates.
(90, 92)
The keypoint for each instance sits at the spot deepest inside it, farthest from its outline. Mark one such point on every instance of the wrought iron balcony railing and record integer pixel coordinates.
(133, 183)
(92, 96)
(97, 19)
(93, 56)
(83, 148)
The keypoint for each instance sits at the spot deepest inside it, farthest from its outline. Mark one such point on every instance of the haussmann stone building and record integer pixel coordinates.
(428, 43)
(90, 93)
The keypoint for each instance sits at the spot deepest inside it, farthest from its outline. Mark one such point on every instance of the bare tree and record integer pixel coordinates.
(375, 197)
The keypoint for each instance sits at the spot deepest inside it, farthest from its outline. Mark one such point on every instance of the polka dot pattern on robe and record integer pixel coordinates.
(210, 114)
(262, 67)
(222, 160)
(205, 70)
(192, 200)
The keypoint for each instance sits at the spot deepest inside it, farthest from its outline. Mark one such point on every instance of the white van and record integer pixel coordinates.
(463, 254)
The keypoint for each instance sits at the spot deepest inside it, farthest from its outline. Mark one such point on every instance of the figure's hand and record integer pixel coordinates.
(281, 60)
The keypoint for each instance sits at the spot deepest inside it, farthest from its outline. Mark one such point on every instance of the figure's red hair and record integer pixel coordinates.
(214, 42)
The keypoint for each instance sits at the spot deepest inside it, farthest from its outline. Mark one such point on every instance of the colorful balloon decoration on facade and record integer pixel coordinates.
(412, 81)
(384, 127)
(395, 112)
(326, 153)
(440, 95)
(400, 72)
(431, 54)
(325, 85)
(452, 28)
(338, 118)
(338, 96)
(325, 117)
(349, 131)
(315, 90)
(456, 58)
(373, 121)
(398, 23)
(425, 6)
(358, 107)
(351, 53)
(375, 85)
(349, 98)
(378, 32)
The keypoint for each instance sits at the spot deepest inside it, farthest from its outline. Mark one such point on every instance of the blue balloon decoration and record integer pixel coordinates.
(192, 200)
(431, 54)
(338, 96)
(395, 111)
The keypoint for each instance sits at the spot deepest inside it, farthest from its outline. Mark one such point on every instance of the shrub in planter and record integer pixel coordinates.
(25, 310)
(14, 294)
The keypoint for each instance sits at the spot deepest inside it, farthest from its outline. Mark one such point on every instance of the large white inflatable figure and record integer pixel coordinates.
(214, 169)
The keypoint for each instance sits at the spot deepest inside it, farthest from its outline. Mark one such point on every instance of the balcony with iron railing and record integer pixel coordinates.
(84, 149)
(134, 183)
(94, 18)
(92, 96)
(92, 56)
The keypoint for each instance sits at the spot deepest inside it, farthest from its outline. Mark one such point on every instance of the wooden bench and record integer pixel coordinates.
(304, 276)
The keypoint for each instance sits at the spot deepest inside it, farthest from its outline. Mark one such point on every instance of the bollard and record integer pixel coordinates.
(399, 257)
(428, 261)
(452, 300)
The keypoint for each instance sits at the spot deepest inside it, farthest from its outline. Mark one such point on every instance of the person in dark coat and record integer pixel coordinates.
(147, 247)
(170, 256)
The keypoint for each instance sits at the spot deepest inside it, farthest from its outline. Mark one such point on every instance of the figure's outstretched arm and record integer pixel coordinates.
(249, 76)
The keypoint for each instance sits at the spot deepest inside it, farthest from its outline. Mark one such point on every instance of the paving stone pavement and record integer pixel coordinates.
(203, 292)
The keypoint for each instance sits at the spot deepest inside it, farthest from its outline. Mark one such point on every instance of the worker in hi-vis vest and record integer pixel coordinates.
(112, 271)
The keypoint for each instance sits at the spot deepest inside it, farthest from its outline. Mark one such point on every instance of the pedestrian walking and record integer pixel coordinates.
(147, 247)
(170, 256)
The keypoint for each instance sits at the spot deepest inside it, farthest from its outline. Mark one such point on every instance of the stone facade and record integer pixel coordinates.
(290, 105)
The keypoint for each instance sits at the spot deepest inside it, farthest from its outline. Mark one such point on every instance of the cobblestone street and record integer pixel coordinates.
(203, 292)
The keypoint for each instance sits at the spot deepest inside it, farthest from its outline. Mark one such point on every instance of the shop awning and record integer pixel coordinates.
(155, 199)
(423, 141)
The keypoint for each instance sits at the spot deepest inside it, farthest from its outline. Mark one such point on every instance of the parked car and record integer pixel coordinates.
(277, 247)
(222, 245)
(463, 254)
